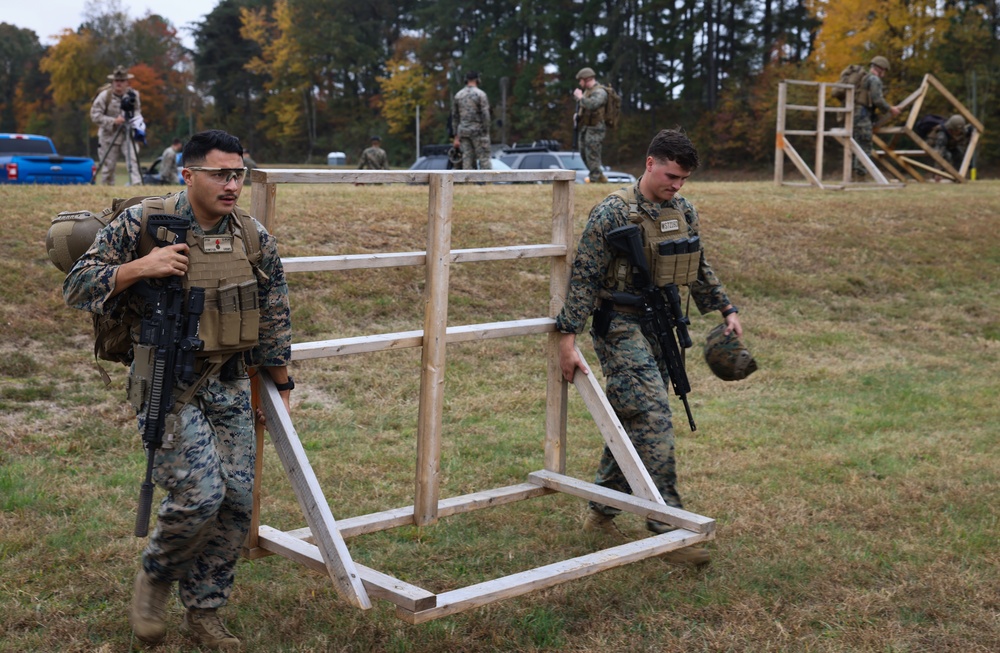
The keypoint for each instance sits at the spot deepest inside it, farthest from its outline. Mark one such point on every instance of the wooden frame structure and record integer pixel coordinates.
(321, 544)
(842, 134)
(898, 161)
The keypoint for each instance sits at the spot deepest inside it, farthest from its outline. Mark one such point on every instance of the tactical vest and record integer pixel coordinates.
(222, 265)
(592, 117)
(668, 231)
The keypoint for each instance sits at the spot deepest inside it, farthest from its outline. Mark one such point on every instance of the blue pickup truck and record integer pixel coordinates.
(31, 159)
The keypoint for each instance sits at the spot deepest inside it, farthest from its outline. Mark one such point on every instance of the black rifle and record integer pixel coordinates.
(171, 328)
(576, 127)
(660, 311)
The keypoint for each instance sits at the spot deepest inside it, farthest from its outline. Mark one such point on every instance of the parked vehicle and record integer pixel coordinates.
(545, 155)
(32, 159)
(435, 157)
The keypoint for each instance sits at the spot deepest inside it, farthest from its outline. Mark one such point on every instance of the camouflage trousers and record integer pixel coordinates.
(123, 148)
(591, 141)
(636, 387)
(863, 131)
(475, 152)
(208, 475)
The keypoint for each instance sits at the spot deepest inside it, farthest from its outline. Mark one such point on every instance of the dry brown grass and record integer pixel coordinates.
(854, 477)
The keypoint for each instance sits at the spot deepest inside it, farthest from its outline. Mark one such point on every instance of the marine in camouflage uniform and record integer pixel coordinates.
(208, 470)
(951, 140)
(470, 115)
(592, 100)
(868, 101)
(106, 113)
(636, 373)
(374, 157)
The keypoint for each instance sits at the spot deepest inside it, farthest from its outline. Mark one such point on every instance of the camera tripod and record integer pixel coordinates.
(124, 129)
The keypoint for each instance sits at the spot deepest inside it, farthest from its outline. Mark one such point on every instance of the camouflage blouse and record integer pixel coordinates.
(89, 284)
(594, 255)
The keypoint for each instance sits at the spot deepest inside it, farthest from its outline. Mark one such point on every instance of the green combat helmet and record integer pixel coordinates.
(71, 235)
(727, 357)
(881, 62)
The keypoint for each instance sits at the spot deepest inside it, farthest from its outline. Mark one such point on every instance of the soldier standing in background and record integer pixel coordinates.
(867, 101)
(470, 114)
(374, 157)
(109, 112)
(591, 100)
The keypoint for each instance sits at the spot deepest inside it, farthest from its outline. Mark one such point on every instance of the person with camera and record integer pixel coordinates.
(114, 111)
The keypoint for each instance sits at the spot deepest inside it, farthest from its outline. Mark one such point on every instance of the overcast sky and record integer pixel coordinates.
(50, 17)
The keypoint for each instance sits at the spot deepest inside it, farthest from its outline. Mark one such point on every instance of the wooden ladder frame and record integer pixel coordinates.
(843, 135)
(321, 544)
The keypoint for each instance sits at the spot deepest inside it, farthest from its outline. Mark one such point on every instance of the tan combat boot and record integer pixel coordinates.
(598, 522)
(207, 627)
(149, 607)
(694, 556)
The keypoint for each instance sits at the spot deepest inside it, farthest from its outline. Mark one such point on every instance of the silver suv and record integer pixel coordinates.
(539, 156)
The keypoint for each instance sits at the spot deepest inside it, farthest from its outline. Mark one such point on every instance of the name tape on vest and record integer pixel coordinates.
(669, 225)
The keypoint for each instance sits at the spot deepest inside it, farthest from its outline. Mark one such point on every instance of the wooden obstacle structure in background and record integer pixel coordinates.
(321, 544)
(899, 162)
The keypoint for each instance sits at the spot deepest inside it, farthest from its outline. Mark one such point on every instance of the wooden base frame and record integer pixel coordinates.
(321, 544)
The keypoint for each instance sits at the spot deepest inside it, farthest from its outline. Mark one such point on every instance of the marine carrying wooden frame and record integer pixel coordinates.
(321, 545)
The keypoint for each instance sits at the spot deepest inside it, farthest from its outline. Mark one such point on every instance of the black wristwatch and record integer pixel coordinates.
(726, 313)
(289, 385)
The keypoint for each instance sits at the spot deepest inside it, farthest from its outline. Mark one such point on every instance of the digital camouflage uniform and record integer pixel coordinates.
(950, 146)
(103, 110)
(636, 375)
(590, 120)
(208, 472)
(470, 113)
(373, 158)
(868, 102)
(168, 165)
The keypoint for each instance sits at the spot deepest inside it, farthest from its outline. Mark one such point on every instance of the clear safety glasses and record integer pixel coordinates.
(222, 176)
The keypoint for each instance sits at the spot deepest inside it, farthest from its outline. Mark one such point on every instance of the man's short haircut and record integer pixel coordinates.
(204, 142)
(674, 145)
(176, 141)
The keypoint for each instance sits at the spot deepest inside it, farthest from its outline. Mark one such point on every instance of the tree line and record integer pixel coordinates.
(297, 78)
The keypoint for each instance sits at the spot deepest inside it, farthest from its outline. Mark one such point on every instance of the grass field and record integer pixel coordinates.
(854, 478)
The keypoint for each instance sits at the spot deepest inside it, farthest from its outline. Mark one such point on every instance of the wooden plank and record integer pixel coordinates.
(959, 107)
(336, 558)
(406, 339)
(474, 596)
(801, 165)
(327, 176)
(262, 203)
(413, 259)
(615, 436)
(556, 389)
(379, 585)
(396, 517)
(432, 363)
(779, 134)
(894, 155)
(629, 503)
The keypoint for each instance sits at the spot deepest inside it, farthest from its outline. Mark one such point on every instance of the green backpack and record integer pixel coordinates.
(854, 75)
(613, 109)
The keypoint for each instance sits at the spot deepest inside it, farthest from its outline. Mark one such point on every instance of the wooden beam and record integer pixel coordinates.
(539, 578)
(434, 341)
(413, 259)
(328, 176)
(379, 585)
(406, 339)
(336, 558)
(615, 436)
(629, 503)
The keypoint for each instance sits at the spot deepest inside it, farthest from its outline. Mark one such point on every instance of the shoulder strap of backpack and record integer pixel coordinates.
(246, 231)
(628, 196)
